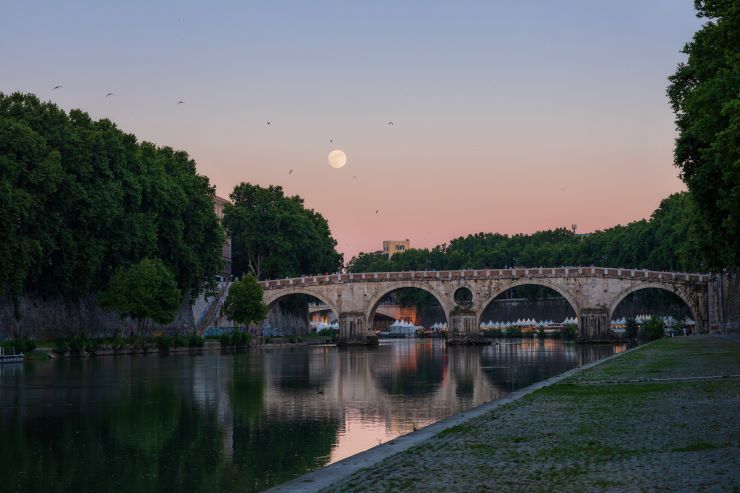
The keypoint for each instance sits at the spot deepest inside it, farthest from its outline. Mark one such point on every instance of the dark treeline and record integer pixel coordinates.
(666, 241)
(80, 199)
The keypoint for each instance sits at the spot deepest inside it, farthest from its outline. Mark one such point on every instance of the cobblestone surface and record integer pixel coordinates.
(597, 431)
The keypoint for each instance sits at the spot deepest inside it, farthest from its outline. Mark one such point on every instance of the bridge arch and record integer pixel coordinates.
(382, 293)
(527, 281)
(693, 308)
(270, 298)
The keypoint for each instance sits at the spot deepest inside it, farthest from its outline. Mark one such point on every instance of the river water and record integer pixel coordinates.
(246, 421)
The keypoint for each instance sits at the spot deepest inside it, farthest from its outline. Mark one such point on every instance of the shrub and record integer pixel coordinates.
(92, 346)
(23, 345)
(225, 340)
(652, 330)
(196, 341)
(164, 343)
(513, 332)
(541, 333)
(117, 343)
(569, 332)
(61, 346)
(77, 345)
(179, 341)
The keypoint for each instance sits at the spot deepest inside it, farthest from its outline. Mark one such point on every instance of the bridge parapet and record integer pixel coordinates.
(482, 274)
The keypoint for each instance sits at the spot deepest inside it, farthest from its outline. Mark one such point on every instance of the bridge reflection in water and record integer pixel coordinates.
(248, 421)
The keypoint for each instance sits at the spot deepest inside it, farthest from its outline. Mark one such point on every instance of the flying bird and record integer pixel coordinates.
(331, 141)
(109, 94)
(376, 210)
(354, 177)
(56, 87)
(268, 122)
(291, 171)
(390, 123)
(181, 102)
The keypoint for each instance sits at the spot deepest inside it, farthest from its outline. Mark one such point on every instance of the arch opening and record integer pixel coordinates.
(401, 311)
(633, 309)
(528, 310)
(299, 313)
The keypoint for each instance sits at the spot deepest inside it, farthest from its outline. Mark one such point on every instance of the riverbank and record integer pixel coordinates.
(663, 416)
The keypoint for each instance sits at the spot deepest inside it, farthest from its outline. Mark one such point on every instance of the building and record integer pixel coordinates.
(218, 206)
(391, 247)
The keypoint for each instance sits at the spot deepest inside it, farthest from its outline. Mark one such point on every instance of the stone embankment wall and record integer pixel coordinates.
(50, 318)
(729, 290)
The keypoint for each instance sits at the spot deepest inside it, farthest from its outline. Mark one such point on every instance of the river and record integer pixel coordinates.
(246, 421)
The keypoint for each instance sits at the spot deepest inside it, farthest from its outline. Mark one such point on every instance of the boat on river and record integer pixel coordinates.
(10, 358)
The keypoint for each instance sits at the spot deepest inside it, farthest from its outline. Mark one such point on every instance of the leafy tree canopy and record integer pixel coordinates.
(667, 241)
(705, 95)
(143, 291)
(244, 302)
(275, 236)
(80, 199)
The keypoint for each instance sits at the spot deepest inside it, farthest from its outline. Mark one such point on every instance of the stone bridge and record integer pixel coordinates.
(593, 292)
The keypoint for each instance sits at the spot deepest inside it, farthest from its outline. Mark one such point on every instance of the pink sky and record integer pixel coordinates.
(507, 118)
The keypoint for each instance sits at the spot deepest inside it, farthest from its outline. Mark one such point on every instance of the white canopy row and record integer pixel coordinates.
(526, 323)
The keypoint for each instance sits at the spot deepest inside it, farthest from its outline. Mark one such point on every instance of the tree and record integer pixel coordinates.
(275, 236)
(144, 291)
(244, 302)
(705, 98)
(80, 199)
(652, 329)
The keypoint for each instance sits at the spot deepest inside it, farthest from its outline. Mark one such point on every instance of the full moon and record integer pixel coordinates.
(337, 158)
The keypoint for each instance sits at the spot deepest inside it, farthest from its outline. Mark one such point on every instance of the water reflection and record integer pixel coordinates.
(242, 422)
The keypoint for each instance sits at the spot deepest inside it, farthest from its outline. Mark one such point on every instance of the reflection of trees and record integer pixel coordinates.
(246, 390)
(409, 369)
(268, 452)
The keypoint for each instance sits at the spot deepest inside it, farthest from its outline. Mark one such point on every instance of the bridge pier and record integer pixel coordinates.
(594, 326)
(353, 330)
(464, 329)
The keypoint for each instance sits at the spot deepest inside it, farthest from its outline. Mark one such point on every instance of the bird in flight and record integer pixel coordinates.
(376, 210)
(181, 102)
(354, 177)
(268, 122)
(109, 94)
(291, 171)
(390, 123)
(331, 140)
(56, 87)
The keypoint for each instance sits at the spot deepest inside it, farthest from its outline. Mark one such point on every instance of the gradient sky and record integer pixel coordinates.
(508, 116)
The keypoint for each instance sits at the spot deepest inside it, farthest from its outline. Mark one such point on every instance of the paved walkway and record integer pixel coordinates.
(662, 418)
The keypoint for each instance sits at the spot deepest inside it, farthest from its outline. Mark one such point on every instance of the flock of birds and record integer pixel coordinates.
(268, 122)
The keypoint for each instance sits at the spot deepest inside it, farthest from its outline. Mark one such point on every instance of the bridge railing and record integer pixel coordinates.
(536, 272)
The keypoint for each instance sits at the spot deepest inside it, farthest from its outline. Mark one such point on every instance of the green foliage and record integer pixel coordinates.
(652, 329)
(77, 345)
(569, 332)
(80, 199)
(22, 345)
(667, 241)
(144, 291)
(244, 301)
(61, 346)
(164, 343)
(275, 236)
(705, 98)
(196, 341)
(235, 340)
